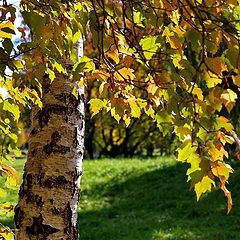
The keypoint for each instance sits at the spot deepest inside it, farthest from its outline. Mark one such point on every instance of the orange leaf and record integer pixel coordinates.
(226, 193)
(216, 65)
(223, 119)
(12, 175)
(102, 75)
(128, 61)
(113, 56)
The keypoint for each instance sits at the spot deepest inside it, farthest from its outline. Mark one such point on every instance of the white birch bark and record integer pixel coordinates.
(49, 194)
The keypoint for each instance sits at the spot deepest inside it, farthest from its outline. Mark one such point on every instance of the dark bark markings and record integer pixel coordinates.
(39, 228)
(18, 216)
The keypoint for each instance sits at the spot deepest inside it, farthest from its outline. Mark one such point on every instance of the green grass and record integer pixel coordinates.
(148, 199)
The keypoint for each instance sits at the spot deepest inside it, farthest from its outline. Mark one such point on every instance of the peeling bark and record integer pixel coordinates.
(48, 197)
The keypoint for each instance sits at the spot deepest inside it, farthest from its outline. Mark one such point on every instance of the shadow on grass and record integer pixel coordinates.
(158, 205)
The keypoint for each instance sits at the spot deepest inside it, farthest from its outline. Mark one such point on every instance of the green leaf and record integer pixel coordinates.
(185, 151)
(12, 108)
(222, 124)
(51, 74)
(35, 22)
(195, 38)
(135, 109)
(59, 67)
(149, 45)
(195, 161)
(96, 105)
(8, 45)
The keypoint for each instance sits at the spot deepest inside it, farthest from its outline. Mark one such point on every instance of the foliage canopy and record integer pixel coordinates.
(176, 61)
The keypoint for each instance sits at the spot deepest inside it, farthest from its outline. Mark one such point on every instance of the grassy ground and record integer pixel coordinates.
(148, 199)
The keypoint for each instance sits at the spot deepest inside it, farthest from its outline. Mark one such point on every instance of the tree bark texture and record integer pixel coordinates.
(48, 197)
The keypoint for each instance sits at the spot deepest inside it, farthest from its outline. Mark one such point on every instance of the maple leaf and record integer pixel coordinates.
(102, 75)
(113, 55)
(185, 150)
(3, 33)
(195, 160)
(216, 65)
(128, 60)
(221, 169)
(149, 46)
(124, 74)
(135, 109)
(152, 88)
(204, 185)
(236, 80)
(12, 176)
(229, 99)
(96, 105)
(127, 119)
(227, 193)
(103, 89)
(217, 152)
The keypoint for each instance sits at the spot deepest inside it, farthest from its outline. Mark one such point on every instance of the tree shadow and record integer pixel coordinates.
(158, 205)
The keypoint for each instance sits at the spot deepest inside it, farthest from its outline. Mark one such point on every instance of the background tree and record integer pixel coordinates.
(104, 136)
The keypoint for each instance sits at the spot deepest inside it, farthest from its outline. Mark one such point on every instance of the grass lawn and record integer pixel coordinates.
(148, 199)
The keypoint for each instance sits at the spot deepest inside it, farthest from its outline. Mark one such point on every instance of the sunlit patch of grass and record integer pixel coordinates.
(149, 199)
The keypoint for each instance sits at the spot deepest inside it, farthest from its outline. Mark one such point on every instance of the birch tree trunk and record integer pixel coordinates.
(48, 197)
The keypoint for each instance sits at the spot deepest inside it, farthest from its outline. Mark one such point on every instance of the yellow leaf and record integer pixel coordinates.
(194, 159)
(113, 56)
(149, 111)
(185, 151)
(117, 108)
(217, 152)
(6, 209)
(175, 16)
(224, 138)
(102, 75)
(4, 34)
(7, 25)
(135, 109)
(221, 169)
(183, 132)
(96, 105)
(75, 92)
(171, 38)
(236, 80)
(103, 89)
(127, 119)
(116, 115)
(229, 99)
(6, 233)
(212, 79)
(152, 88)
(12, 176)
(198, 92)
(124, 74)
(203, 186)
